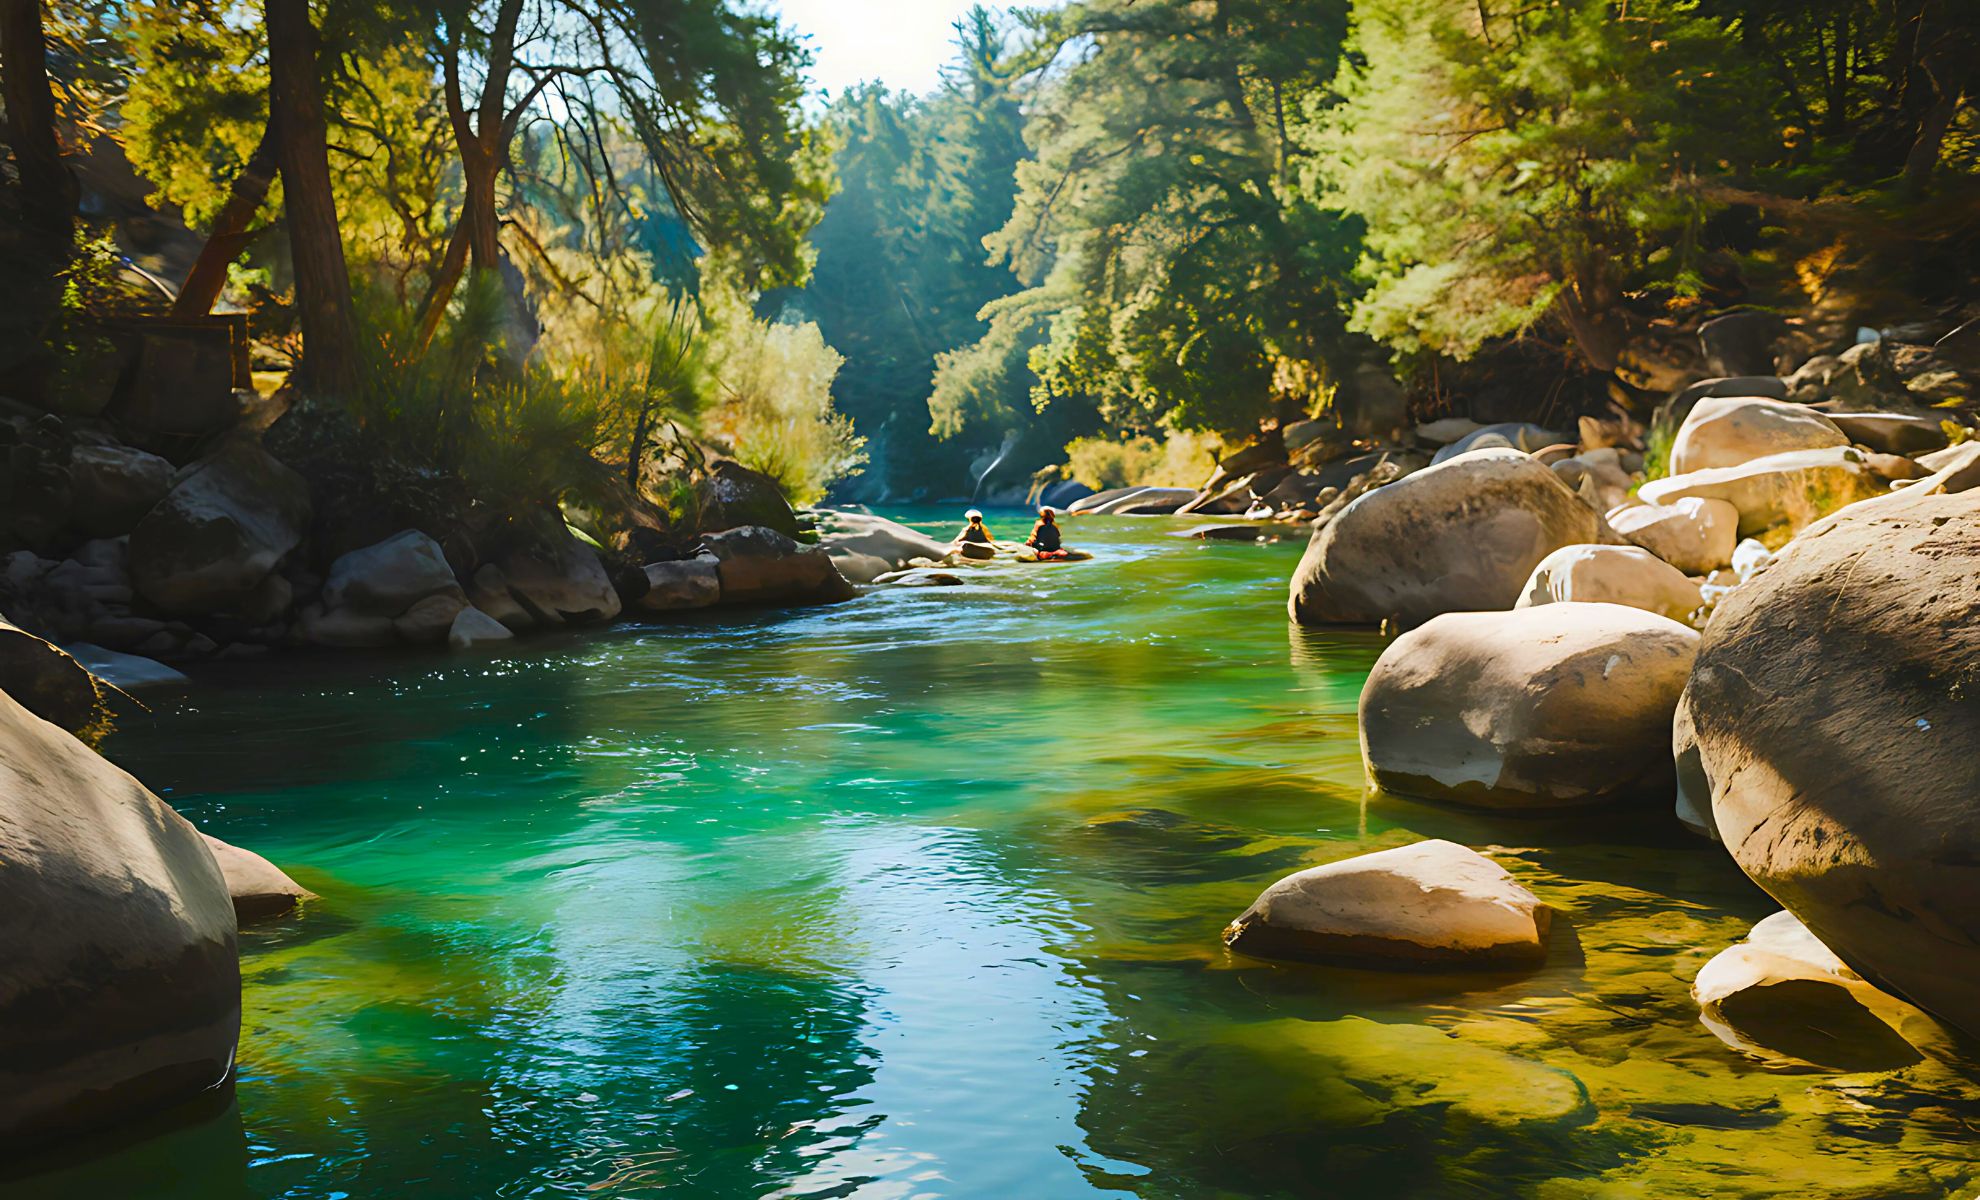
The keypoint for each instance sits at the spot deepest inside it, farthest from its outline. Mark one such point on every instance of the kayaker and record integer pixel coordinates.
(973, 530)
(1045, 535)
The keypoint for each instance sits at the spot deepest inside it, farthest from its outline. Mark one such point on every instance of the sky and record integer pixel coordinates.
(902, 43)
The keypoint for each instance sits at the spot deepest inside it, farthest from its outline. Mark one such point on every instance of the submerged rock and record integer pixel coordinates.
(1834, 717)
(1460, 536)
(1782, 994)
(1432, 904)
(120, 986)
(258, 888)
(1612, 575)
(1564, 704)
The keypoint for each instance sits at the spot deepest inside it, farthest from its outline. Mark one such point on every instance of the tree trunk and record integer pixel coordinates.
(49, 193)
(323, 284)
(1923, 157)
(231, 234)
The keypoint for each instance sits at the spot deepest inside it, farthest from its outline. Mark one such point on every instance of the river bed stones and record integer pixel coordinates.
(1460, 536)
(1834, 713)
(1548, 707)
(1431, 904)
(120, 988)
(865, 546)
(1627, 575)
(472, 628)
(1694, 534)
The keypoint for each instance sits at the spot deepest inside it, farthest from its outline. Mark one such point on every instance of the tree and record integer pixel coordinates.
(1202, 286)
(1519, 165)
(47, 187)
(316, 244)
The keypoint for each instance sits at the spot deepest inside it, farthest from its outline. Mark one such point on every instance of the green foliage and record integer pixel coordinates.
(773, 400)
(1512, 161)
(1188, 266)
(1178, 460)
(902, 274)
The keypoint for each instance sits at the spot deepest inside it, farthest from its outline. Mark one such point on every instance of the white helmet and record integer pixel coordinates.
(974, 514)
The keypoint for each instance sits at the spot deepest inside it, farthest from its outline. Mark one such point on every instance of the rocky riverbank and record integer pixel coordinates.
(1772, 637)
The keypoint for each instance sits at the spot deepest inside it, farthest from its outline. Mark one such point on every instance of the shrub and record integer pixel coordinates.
(1180, 460)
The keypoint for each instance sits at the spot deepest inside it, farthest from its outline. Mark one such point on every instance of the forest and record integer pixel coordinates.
(546, 246)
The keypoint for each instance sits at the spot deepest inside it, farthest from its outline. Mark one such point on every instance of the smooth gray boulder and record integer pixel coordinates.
(388, 578)
(120, 988)
(1833, 705)
(1516, 435)
(228, 522)
(1431, 904)
(1892, 433)
(1548, 707)
(548, 579)
(50, 682)
(866, 546)
(1460, 536)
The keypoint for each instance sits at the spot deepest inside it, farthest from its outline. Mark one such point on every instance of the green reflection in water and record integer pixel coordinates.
(920, 896)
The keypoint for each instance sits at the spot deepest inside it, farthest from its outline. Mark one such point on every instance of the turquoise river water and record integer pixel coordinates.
(920, 896)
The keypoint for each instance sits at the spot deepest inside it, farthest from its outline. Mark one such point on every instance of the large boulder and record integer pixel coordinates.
(1627, 575)
(1462, 535)
(1725, 431)
(1791, 490)
(120, 988)
(1783, 997)
(389, 578)
(112, 487)
(684, 584)
(473, 628)
(546, 579)
(762, 566)
(1833, 704)
(1431, 904)
(1741, 343)
(731, 496)
(258, 888)
(228, 522)
(866, 546)
(1564, 704)
(1694, 534)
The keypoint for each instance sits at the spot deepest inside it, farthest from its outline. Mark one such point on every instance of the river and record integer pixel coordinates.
(920, 896)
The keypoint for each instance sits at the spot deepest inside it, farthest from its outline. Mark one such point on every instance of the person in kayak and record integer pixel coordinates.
(973, 530)
(1045, 535)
